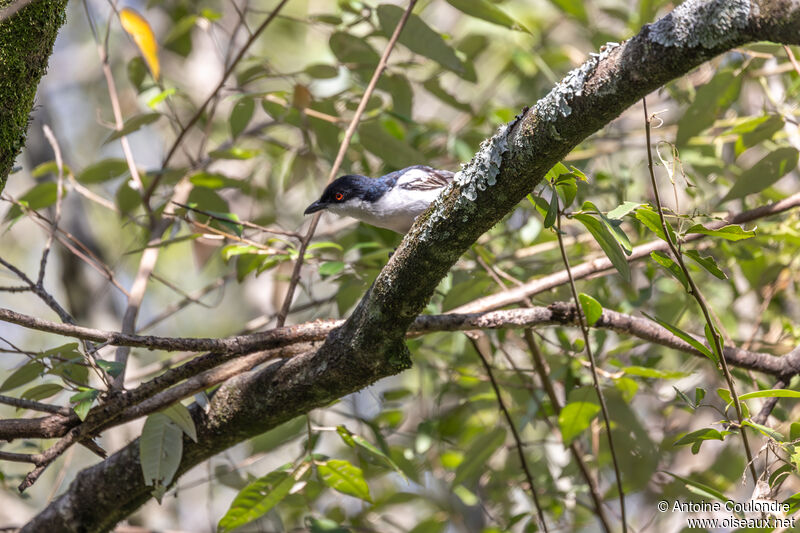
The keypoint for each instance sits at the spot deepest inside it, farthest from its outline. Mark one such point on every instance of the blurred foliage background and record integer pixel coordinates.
(438, 455)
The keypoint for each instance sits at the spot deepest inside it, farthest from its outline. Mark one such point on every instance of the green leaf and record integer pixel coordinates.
(574, 8)
(575, 417)
(481, 449)
(730, 232)
(701, 489)
(351, 439)
(256, 500)
(402, 94)
(648, 372)
(485, 10)
(74, 370)
(235, 152)
(709, 101)
(764, 430)
(24, 374)
(753, 130)
(699, 394)
(764, 173)
(321, 72)
(325, 244)
(178, 413)
(127, 199)
(160, 97)
(344, 477)
(567, 187)
(613, 227)
(771, 393)
(694, 343)
(552, 211)
(160, 451)
(392, 150)
(113, 368)
(133, 124)
(607, 242)
(707, 263)
(351, 49)
(325, 525)
(433, 86)
(83, 401)
(82, 408)
(710, 340)
(40, 392)
(592, 309)
(232, 250)
(682, 395)
(43, 169)
(104, 170)
(671, 267)
(241, 114)
(137, 71)
(331, 268)
(649, 217)
(37, 197)
(623, 209)
(418, 37)
(696, 438)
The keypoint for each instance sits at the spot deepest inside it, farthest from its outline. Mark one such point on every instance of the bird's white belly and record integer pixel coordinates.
(396, 210)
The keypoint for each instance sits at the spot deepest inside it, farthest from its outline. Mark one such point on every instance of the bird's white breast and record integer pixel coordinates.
(395, 210)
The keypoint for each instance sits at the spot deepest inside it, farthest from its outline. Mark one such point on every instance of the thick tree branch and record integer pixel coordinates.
(370, 345)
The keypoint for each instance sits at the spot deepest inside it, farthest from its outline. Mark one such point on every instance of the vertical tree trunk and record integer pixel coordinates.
(26, 42)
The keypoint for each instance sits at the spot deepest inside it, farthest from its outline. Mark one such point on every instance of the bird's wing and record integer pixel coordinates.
(422, 178)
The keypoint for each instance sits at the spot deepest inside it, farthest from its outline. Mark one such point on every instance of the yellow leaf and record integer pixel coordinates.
(138, 28)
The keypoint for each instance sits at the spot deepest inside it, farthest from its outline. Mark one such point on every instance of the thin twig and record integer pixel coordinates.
(243, 223)
(793, 60)
(22, 403)
(119, 123)
(770, 403)
(351, 129)
(199, 113)
(510, 421)
(595, 380)
(540, 367)
(698, 297)
(574, 447)
(48, 133)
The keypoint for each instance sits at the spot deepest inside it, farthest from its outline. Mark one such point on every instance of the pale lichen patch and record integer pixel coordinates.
(701, 22)
(476, 176)
(557, 102)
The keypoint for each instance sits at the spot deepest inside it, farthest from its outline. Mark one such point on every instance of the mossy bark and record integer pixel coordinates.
(26, 42)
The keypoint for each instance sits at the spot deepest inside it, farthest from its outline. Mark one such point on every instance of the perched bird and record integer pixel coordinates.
(392, 201)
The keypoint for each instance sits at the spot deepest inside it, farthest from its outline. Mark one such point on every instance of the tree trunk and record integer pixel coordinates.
(26, 42)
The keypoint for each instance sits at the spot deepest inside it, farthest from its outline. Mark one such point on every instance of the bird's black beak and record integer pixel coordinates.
(313, 208)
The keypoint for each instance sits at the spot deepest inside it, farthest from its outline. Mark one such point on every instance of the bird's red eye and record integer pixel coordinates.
(339, 196)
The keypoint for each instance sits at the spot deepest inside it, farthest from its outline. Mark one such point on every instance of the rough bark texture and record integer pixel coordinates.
(370, 344)
(26, 42)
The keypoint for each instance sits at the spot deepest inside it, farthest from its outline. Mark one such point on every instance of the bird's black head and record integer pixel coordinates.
(346, 188)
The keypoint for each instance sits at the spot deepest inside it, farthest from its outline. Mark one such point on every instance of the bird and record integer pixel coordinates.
(392, 201)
